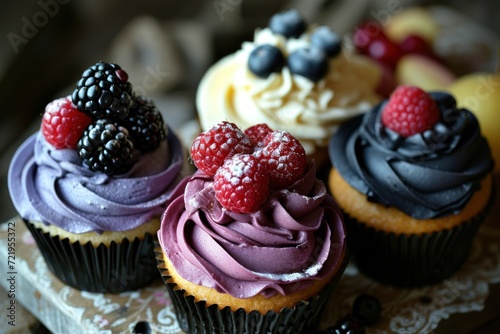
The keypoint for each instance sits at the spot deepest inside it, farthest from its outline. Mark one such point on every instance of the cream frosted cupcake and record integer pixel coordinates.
(92, 184)
(245, 249)
(291, 77)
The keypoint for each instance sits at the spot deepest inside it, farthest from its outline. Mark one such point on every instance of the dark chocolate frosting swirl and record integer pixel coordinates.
(426, 175)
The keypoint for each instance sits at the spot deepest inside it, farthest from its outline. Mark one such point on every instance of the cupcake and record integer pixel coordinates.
(251, 244)
(92, 184)
(414, 180)
(292, 77)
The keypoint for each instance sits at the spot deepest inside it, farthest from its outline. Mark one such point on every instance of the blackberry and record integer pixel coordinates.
(106, 147)
(104, 92)
(145, 124)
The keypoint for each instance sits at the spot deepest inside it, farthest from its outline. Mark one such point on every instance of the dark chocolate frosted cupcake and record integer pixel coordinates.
(413, 177)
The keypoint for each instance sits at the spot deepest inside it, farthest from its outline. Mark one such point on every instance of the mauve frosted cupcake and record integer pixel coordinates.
(263, 260)
(91, 185)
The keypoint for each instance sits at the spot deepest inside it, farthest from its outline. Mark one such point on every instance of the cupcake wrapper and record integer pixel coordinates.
(197, 318)
(411, 260)
(119, 267)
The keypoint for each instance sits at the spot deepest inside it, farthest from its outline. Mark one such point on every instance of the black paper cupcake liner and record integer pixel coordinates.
(116, 268)
(411, 260)
(197, 318)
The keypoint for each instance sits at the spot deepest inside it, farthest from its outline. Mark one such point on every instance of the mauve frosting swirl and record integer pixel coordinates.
(52, 186)
(295, 238)
(426, 175)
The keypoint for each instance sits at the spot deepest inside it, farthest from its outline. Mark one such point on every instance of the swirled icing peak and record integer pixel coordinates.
(52, 186)
(295, 238)
(426, 175)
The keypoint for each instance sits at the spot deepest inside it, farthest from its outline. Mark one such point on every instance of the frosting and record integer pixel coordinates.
(426, 175)
(310, 111)
(296, 237)
(52, 186)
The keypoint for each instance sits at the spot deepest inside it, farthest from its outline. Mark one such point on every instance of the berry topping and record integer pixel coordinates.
(264, 60)
(385, 51)
(211, 148)
(327, 40)
(366, 33)
(367, 308)
(145, 124)
(416, 44)
(288, 23)
(104, 92)
(284, 158)
(257, 133)
(63, 124)
(347, 325)
(242, 184)
(410, 110)
(106, 147)
(310, 62)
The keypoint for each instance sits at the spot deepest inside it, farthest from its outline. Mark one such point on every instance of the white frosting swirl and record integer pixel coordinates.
(309, 111)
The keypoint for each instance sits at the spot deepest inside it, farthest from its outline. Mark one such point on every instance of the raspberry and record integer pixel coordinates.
(257, 133)
(63, 124)
(106, 147)
(242, 184)
(284, 158)
(104, 92)
(410, 110)
(211, 148)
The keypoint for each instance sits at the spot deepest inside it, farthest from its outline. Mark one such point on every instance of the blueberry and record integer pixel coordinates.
(310, 62)
(347, 325)
(288, 23)
(327, 40)
(367, 308)
(264, 60)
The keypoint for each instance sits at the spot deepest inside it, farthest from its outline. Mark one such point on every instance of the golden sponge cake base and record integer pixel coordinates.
(106, 237)
(390, 219)
(259, 302)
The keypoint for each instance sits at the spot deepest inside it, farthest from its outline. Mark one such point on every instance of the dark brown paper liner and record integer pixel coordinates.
(411, 260)
(197, 318)
(119, 267)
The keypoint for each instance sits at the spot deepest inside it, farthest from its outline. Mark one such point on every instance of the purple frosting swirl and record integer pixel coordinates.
(296, 237)
(426, 175)
(52, 186)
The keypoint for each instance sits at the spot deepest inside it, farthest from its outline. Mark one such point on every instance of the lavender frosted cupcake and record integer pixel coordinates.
(93, 182)
(259, 256)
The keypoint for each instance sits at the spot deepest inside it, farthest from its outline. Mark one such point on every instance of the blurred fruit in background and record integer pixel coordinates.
(402, 45)
(412, 21)
(424, 72)
(480, 93)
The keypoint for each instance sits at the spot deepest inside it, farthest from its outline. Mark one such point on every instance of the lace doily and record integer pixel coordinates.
(420, 310)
